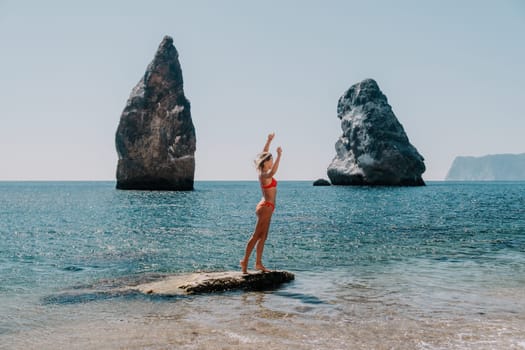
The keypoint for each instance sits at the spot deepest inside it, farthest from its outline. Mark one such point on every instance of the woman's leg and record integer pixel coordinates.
(260, 247)
(249, 247)
(261, 229)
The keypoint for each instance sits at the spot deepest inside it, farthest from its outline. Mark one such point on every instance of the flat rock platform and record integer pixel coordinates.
(209, 282)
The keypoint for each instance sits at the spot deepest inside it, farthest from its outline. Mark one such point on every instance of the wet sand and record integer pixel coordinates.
(260, 320)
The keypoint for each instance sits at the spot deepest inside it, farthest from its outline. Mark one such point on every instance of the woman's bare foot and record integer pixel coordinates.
(244, 267)
(261, 267)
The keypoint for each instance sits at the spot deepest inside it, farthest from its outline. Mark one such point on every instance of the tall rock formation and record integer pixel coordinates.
(155, 138)
(374, 148)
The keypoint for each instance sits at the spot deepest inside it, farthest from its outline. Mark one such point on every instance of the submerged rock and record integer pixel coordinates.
(155, 138)
(374, 148)
(209, 282)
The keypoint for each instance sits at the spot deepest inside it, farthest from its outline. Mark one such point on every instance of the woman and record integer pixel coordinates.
(266, 168)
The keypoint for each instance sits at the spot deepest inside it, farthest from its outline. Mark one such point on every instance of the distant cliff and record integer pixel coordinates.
(498, 167)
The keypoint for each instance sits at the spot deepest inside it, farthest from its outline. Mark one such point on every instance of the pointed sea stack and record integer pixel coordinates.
(374, 148)
(155, 138)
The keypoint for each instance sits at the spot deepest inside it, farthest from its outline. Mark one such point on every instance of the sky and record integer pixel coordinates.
(453, 72)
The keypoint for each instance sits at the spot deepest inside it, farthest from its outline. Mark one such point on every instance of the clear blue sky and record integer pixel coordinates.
(453, 71)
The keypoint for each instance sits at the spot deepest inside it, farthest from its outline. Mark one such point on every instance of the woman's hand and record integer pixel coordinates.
(279, 151)
(271, 136)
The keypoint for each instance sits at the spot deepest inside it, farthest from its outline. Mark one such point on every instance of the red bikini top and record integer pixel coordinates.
(271, 184)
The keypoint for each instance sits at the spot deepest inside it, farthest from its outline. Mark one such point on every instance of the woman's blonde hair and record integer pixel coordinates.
(261, 158)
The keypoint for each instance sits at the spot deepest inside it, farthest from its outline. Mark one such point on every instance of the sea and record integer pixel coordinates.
(434, 267)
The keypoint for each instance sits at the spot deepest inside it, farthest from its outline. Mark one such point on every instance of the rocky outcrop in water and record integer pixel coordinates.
(374, 148)
(496, 167)
(322, 182)
(155, 138)
(170, 285)
(211, 282)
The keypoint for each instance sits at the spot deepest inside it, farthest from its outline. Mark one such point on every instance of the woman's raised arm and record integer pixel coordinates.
(268, 141)
(276, 162)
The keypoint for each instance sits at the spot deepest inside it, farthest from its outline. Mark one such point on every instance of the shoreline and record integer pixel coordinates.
(254, 319)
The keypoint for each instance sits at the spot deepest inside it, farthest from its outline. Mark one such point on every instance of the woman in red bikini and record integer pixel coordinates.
(264, 210)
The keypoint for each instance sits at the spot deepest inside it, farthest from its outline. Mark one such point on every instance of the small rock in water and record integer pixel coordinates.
(322, 182)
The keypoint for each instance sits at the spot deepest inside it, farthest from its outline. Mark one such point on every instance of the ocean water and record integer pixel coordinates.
(435, 267)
